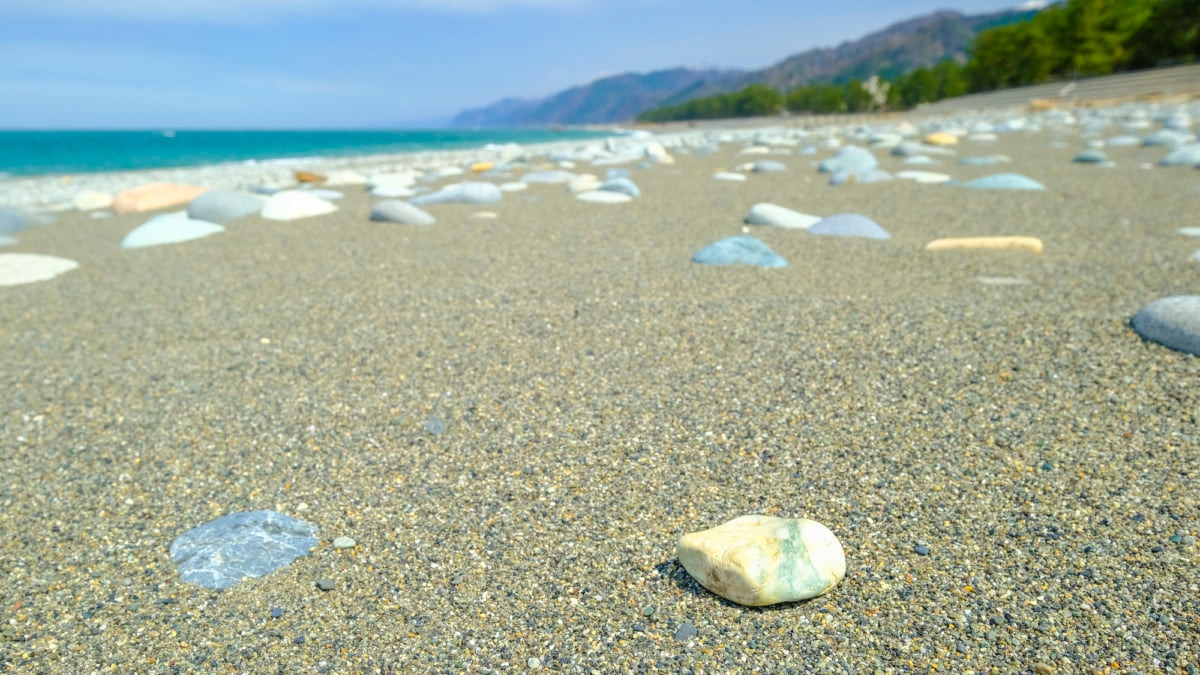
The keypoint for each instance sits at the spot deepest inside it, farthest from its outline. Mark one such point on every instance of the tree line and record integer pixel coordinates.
(1078, 38)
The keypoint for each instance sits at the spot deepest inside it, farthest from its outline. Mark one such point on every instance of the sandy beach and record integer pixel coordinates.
(600, 395)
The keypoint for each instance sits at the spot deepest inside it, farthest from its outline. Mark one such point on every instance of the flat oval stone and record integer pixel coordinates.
(760, 560)
(462, 193)
(729, 176)
(24, 268)
(1172, 322)
(1004, 181)
(1184, 155)
(396, 211)
(849, 158)
(740, 249)
(222, 552)
(849, 225)
(169, 228)
(778, 216)
(219, 206)
(603, 197)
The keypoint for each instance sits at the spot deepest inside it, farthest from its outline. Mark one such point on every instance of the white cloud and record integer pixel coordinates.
(238, 11)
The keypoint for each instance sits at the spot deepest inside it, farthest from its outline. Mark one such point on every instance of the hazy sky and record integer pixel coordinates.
(355, 63)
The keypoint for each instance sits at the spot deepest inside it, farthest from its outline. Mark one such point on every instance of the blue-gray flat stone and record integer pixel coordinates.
(1004, 181)
(849, 225)
(868, 175)
(396, 211)
(1091, 156)
(1169, 138)
(849, 158)
(463, 193)
(548, 177)
(222, 552)
(220, 206)
(984, 160)
(169, 228)
(1173, 322)
(740, 249)
(1184, 155)
(767, 166)
(621, 185)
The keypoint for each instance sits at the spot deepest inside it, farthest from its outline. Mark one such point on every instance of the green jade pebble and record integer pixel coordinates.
(760, 560)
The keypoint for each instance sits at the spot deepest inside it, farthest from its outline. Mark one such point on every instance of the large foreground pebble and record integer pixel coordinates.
(1172, 322)
(739, 250)
(462, 193)
(760, 560)
(222, 552)
(779, 216)
(169, 228)
(295, 204)
(1004, 181)
(24, 268)
(219, 206)
(155, 196)
(849, 225)
(396, 211)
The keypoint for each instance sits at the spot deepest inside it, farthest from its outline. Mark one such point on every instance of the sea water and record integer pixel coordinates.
(34, 153)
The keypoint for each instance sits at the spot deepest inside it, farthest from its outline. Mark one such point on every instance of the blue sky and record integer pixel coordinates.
(136, 64)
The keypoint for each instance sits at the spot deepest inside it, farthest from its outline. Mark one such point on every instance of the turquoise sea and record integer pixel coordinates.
(32, 153)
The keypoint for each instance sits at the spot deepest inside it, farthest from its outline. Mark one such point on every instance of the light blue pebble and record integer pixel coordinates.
(740, 249)
(849, 225)
(246, 545)
(1004, 181)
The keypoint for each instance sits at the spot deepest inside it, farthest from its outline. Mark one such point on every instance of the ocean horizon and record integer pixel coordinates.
(43, 152)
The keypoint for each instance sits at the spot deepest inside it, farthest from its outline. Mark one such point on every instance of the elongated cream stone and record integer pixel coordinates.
(760, 560)
(1024, 243)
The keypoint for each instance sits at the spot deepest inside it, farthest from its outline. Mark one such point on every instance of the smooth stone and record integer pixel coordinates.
(1123, 142)
(220, 206)
(1168, 138)
(480, 167)
(246, 545)
(779, 216)
(730, 176)
(24, 268)
(657, 153)
(995, 243)
(155, 196)
(514, 186)
(868, 175)
(1004, 181)
(169, 228)
(548, 177)
(909, 149)
(583, 183)
(396, 211)
(392, 185)
(342, 177)
(90, 200)
(295, 204)
(1184, 155)
(941, 138)
(616, 173)
(923, 176)
(760, 560)
(919, 159)
(344, 542)
(1189, 231)
(849, 158)
(309, 177)
(1002, 281)
(740, 249)
(1173, 322)
(462, 193)
(984, 160)
(603, 197)
(485, 215)
(767, 166)
(849, 225)
(621, 185)
(1093, 156)
(7, 241)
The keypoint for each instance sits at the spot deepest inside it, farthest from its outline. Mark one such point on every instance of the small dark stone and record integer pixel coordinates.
(325, 584)
(921, 549)
(685, 632)
(276, 612)
(996, 620)
(639, 627)
(1089, 573)
(167, 601)
(1157, 549)
(1047, 466)
(1177, 539)
(299, 639)
(1139, 517)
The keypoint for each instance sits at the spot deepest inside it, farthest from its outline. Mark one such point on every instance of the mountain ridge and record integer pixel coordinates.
(917, 42)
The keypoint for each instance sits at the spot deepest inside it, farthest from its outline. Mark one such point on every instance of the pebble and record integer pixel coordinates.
(294, 205)
(849, 158)
(729, 176)
(941, 138)
(342, 177)
(767, 166)
(344, 542)
(927, 177)
(462, 193)
(779, 216)
(984, 160)
(1173, 322)
(220, 206)
(24, 268)
(155, 196)
(867, 175)
(169, 228)
(90, 200)
(686, 631)
(1004, 181)
(1092, 156)
(14, 220)
(396, 211)
(514, 186)
(1184, 155)
(621, 185)
(603, 197)
(849, 225)
(921, 549)
(326, 584)
(250, 544)
(1009, 242)
(739, 249)
(548, 177)
(760, 560)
